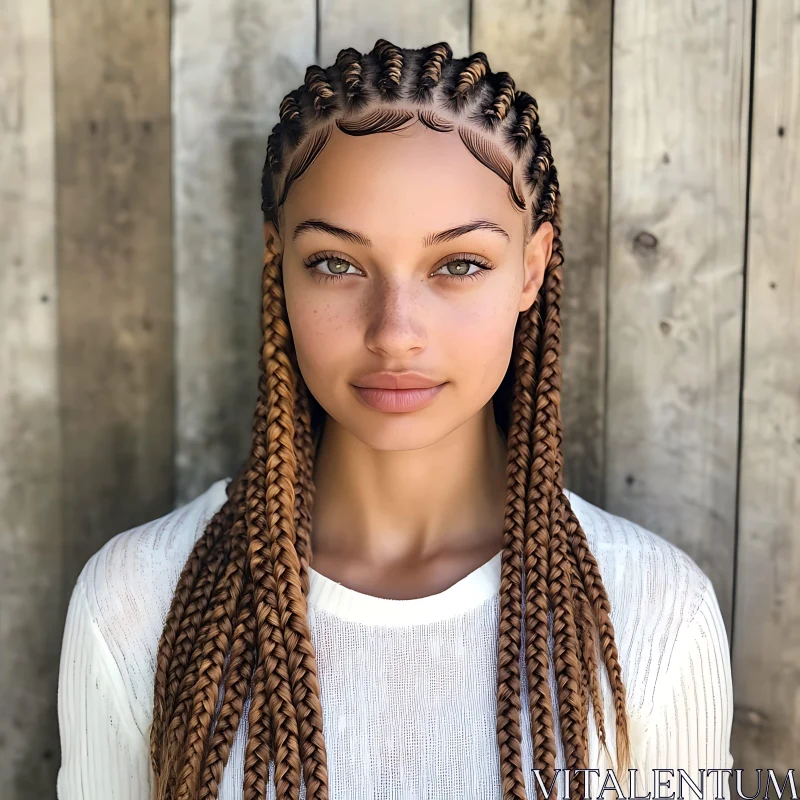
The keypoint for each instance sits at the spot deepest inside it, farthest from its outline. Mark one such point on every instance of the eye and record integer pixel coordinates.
(336, 267)
(459, 267)
(330, 266)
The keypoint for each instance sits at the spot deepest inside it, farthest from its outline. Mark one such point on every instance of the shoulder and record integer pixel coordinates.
(661, 601)
(125, 589)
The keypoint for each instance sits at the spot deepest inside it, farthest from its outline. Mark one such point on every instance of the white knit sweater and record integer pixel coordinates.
(408, 687)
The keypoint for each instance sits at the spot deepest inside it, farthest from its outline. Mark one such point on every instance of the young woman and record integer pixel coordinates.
(396, 597)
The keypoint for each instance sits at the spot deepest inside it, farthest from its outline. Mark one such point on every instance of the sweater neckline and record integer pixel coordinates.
(467, 593)
(335, 598)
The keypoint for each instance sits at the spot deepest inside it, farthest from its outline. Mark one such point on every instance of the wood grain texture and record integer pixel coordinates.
(233, 63)
(766, 651)
(679, 165)
(360, 23)
(31, 572)
(130, 328)
(114, 249)
(559, 52)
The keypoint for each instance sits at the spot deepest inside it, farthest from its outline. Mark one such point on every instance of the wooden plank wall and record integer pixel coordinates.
(115, 310)
(86, 329)
(31, 534)
(766, 626)
(678, 188)
(224, 106)
(130, 248)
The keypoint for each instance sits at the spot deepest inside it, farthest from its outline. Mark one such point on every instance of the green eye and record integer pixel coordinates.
(336, 266)
(457, 268)
(460, 266)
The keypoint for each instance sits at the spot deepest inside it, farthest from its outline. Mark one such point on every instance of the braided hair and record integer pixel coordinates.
(237, 629)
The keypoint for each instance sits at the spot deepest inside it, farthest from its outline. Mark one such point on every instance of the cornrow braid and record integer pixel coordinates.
(348, 61)
(433, 62)
(291, 124)
(351, 70)
(323, 97)
(468, 81)
(391, 61)
(236, 648)
(500, 101)
(526, 122)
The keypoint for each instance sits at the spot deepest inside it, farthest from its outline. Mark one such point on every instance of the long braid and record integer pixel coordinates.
(214, 644)
(536, 566)
(270, 512)
(183, 617)
(510, 630)
(585, 620)
(304, 444)
(566, 648)
(281, 513)
(596, 592)
(589, 685)
(236, 650)
(235, 683)
(177, 730)
(212, 660)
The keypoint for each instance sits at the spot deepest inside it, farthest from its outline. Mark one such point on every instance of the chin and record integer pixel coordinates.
(401, 432)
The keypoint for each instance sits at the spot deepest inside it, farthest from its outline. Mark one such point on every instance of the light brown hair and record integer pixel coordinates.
(237, 628)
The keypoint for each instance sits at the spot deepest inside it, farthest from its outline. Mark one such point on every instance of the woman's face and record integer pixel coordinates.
(386, 296)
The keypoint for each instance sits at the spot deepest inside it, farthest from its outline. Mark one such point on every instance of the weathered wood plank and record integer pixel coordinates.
(232, 65)
(679, 165)
(114, 249)
(561, 57)
(30, 444)
(766, 641)
(360, 23)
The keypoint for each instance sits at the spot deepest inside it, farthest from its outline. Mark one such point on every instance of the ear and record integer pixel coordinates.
(536, 258)
(270, 231)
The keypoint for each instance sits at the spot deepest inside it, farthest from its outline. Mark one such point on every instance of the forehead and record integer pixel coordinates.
(404, 183)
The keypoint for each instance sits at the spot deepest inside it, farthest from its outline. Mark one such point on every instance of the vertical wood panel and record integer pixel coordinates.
(232, 63)
(135, 364)
(679, 150)
(559, 52)
(360, 23)
(30, 457)
(766, 653)
(114, 267)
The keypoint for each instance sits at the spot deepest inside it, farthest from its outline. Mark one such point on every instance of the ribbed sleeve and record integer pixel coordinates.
(693, 711)
(103, 753)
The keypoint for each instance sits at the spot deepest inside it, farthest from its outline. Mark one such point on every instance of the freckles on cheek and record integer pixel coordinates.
(320, 332)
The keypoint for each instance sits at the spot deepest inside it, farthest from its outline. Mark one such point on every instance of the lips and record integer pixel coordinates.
(397, 380)
(397, 400)
(397, 391)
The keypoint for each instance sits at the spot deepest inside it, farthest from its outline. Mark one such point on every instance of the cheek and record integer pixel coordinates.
(478, 334)
(324, 336)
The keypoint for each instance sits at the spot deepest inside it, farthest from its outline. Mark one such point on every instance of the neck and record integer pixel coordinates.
(387, 506)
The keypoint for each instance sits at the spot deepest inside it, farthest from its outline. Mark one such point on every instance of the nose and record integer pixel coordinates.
(395, 315)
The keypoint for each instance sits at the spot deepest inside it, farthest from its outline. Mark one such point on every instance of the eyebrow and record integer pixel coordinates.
(427, 241)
